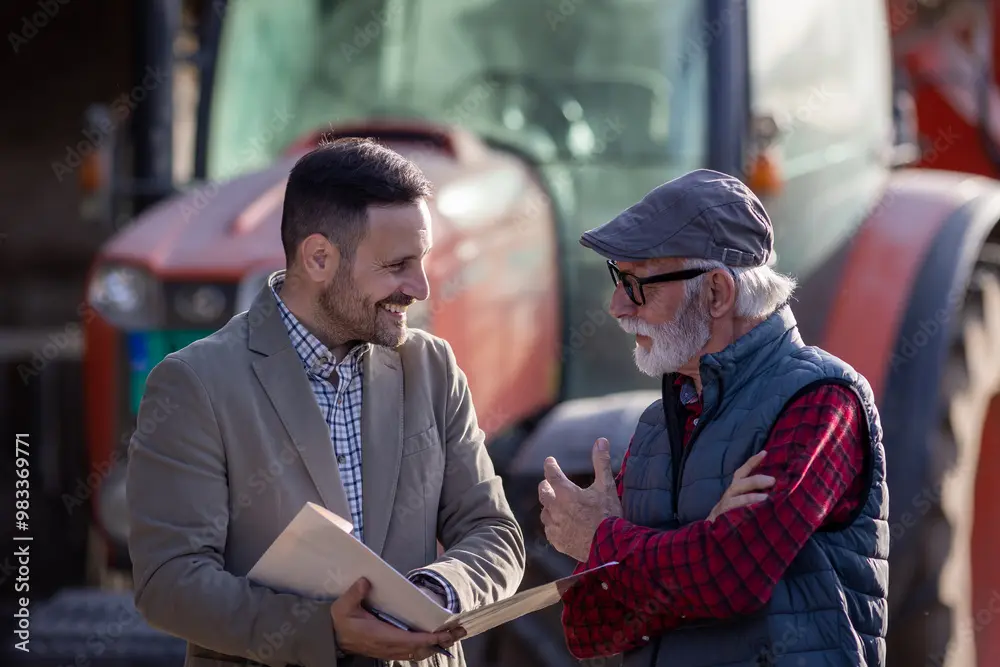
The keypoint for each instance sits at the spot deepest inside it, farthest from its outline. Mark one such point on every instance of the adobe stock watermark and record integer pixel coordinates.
(563, 12)
(583, 331)
(981, 619)
(252, 151)
(365, 34)
(35, 22)
(259, 482)
(149, 422)
(928, 329)
(942, 142)
(273, 643)
(899, 15)
(95, 136)
(56, 344)
(102, 640)
(697, 43)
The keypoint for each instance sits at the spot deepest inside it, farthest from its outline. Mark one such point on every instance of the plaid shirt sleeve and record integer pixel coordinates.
(432, 581)
(730, 566)
(595, 623)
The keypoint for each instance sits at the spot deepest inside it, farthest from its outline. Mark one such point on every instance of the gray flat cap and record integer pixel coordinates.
(703, 214)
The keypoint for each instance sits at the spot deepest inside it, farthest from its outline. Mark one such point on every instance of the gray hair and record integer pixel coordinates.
(760, 290)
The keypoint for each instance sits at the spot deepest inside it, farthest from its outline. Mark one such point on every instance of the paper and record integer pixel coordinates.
(317, 557)
(525, 602)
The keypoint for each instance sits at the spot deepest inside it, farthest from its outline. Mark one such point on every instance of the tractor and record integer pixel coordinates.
(539, 119)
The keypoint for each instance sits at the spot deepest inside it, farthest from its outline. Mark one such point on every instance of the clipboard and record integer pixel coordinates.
(317, 557)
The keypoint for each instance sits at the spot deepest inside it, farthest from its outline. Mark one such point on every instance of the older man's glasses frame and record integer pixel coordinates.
(633, 284)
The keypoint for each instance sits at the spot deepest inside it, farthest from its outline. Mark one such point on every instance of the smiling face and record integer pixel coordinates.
(366, 299)
(671, 328)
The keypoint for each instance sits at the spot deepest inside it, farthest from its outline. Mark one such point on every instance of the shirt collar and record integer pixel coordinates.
(315, 356)
(686, 390)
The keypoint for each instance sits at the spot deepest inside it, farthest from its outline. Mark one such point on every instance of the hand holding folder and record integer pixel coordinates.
(364, 630)
(317, 557)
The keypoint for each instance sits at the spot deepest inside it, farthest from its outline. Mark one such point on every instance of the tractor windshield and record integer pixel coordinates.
(609, 81)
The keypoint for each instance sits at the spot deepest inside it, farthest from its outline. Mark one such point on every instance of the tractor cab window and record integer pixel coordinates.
(820, 70)
(618, 81)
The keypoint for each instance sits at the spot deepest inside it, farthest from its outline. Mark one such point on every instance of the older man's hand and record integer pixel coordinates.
(741, 490)
(571, 514)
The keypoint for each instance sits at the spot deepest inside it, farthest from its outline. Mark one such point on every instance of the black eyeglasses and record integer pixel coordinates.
(633, 284)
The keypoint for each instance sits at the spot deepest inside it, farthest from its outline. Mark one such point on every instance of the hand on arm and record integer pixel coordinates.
(729, 566)
(745, 489)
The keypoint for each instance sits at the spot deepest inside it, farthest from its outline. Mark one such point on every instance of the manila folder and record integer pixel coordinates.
(317, 557)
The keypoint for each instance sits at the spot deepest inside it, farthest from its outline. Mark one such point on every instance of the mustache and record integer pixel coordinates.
(634, 325)
(397, 299)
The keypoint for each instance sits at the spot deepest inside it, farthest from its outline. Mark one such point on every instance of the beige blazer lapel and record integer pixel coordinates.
(284, 380)
(382, 441)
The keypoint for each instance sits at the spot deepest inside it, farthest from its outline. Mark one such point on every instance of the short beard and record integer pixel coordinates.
(674, 343)
(345, 315)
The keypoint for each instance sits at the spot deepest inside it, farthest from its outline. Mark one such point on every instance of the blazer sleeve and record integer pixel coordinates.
(484, 546)
(178, 504)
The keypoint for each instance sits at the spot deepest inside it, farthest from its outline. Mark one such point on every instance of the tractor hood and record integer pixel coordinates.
(213, 231)
(223, 231)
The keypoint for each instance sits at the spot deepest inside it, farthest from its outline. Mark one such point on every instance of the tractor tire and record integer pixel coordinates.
(942, 618)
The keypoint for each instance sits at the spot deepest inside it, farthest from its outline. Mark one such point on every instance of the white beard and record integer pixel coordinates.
(674, 343)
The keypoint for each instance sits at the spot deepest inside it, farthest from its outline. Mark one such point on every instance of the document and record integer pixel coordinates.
(316, 556)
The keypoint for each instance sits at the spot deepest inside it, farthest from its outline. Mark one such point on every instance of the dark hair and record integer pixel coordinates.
(330, 189)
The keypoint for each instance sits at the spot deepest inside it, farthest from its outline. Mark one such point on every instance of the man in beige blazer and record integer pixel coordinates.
(320, 393)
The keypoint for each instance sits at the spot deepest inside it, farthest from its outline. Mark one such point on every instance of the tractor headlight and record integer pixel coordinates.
(473, 200)
(127, 296)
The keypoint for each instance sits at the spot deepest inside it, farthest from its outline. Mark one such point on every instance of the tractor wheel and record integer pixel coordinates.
(947, 619)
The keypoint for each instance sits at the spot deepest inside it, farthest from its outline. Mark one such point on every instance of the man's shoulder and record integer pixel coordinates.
(828, 384)
(425, 349)
(225, 349)
(815, 366)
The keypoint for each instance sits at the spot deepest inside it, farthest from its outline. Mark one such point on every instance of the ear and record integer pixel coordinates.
(722, 293)
(319, 258)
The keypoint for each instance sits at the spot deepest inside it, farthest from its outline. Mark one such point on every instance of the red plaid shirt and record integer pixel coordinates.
(730, 566)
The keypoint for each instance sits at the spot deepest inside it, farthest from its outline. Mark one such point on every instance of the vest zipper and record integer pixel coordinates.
(676, 434)
(686, 450)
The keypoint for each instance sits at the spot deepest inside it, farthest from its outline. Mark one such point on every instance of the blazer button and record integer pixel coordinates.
(645, 638)
(604, 585)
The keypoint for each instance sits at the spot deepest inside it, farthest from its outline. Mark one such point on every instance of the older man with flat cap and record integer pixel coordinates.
(748, 519)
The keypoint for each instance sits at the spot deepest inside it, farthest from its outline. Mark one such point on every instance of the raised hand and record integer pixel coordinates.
(572, 514)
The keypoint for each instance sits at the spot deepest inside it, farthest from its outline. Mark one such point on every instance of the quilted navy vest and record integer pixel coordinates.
(829, 608)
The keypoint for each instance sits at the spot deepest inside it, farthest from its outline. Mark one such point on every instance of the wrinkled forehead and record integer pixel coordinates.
(650, 266)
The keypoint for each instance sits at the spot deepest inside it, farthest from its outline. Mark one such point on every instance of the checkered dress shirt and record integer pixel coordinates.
(337, 387)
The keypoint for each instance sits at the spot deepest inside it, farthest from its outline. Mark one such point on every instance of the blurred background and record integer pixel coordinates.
(142, 171)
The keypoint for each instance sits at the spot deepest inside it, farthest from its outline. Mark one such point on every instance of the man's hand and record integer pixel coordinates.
(360, 633)
(740, 491)
(571, 514)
